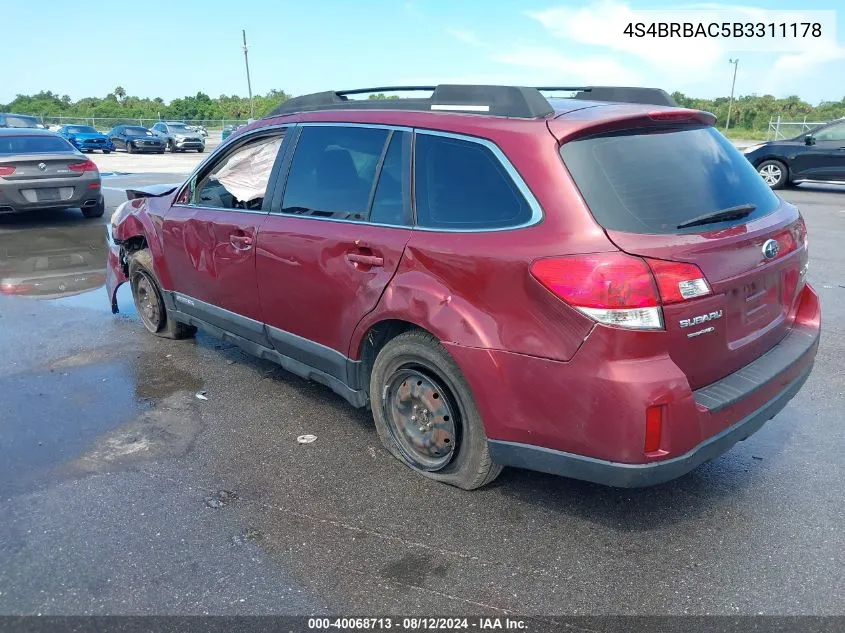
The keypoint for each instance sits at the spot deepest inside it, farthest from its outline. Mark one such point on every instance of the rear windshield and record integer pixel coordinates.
(17, 120)
(650, 182)
(33, 144)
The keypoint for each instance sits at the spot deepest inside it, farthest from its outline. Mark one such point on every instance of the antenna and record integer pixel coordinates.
(248, 82)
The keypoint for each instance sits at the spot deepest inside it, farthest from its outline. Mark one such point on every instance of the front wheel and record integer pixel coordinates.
(130, 148)
(425, 413)
(172, 147)
(106, 151)
(774, 173)
(200, 150)
(147, 295)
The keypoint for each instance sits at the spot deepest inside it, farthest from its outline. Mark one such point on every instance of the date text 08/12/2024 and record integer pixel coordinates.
(419, 624)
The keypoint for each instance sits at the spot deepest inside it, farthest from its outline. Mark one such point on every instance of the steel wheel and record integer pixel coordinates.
(147, 302)
(771, 174)
(422, 417)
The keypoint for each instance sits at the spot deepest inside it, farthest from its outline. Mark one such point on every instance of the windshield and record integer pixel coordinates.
(18, 120)
(34, 144)
(651, 182)
(137, 131)
(179, 128)
(80, 129)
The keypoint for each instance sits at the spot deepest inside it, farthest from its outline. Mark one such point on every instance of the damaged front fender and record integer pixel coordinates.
(116, 270)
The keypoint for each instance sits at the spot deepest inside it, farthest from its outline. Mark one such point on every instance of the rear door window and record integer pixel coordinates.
(333, 171)
(461, 185)
(651, 182)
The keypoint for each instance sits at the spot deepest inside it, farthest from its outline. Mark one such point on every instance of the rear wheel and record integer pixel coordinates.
(95, 212)
(774, 173)
(106, 151)
(200, 150)
(425, 414)
(147, 295)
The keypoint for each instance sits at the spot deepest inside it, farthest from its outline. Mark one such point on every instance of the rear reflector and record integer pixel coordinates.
(653, 429)
(6, 171)
(88, 165)
(678, 281)
(94, 185)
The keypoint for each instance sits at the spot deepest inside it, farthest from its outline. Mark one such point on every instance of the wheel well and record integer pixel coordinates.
(131, 245)
(377, 337)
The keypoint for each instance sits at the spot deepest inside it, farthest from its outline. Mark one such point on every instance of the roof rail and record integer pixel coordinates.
(505, 101)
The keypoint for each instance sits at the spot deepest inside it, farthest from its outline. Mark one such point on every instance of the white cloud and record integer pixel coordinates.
(558, 68)
(466, 36)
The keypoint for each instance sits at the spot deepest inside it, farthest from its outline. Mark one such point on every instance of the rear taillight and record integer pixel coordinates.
(612, 288)
(88, 165)
(678, 281)
(9, 288)
(6, 170)
(620, 289)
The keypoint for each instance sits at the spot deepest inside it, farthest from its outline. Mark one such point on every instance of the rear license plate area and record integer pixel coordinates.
(47, 195)
(761, 300)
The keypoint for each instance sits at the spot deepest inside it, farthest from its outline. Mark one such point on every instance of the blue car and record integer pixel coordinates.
(85, 138)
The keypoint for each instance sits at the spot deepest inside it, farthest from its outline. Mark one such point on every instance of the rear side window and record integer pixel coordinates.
(652, 182)
(33, 145)
(461, 184)
(333, 171)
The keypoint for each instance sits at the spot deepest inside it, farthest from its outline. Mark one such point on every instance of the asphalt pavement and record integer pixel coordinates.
(122, 493)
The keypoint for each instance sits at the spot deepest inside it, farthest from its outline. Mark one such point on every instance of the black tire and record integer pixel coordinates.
(467, 463)
(130, 148)
(95, 212)
(774, 173)
(200, 150)
(171, 145)
(145, 288)
(161, 151)
(106, 151)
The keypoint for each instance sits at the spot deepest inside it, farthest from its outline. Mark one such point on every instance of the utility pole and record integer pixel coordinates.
(248, 82)
(735, 62)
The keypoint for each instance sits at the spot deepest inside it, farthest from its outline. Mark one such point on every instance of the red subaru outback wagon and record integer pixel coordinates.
(600, 287)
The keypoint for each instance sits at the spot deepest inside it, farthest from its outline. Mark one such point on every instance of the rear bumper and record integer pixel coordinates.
(16, 196)
(623, 475)
(585, 418)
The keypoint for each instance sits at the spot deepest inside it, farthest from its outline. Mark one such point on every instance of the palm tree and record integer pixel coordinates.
(120, 93)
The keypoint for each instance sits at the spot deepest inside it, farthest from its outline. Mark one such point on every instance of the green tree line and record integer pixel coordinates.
(753, 112)
(119, 105)
(748, 113)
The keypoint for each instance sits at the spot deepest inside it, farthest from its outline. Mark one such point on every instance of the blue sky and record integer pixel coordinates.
(170, 49)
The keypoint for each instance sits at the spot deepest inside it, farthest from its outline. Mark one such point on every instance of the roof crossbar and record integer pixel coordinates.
(504, 101)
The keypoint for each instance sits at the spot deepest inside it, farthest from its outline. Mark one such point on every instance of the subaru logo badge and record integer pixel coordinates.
(770, 249)
(42, 166)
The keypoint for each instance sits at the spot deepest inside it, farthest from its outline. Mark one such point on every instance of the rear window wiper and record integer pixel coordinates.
(731, 213)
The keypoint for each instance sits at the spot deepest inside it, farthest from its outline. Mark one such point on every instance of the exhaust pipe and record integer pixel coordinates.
(89, 203)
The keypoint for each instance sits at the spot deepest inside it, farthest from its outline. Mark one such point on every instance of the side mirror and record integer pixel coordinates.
(809, 140)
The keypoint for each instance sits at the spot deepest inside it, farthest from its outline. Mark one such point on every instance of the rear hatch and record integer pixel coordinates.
(655, 190)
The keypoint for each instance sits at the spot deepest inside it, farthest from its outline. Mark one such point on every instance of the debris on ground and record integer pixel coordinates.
(250, 534)
(756, 457)
(306, 439)
(220, 498)
(201, 395)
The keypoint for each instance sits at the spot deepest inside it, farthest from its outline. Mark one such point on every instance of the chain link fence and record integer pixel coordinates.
(780, 129)
(104, 124)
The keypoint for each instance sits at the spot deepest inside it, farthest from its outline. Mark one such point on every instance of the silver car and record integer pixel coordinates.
(179, 136)
(41, 170)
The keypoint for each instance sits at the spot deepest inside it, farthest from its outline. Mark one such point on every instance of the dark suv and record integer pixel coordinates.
(597, 289)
